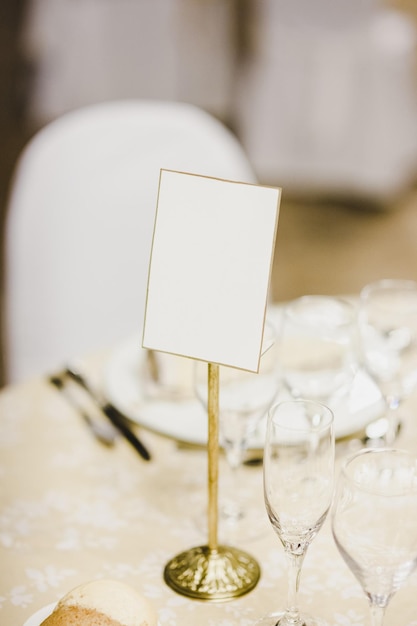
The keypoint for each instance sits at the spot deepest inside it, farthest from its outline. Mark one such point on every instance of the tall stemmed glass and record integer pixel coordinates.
(387, 323)
(298, 487)
(317, 348)
(374, 522)
(244, 400)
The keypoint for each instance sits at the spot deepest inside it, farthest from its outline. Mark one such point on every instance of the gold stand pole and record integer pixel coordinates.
(213, 453)
(212, 572)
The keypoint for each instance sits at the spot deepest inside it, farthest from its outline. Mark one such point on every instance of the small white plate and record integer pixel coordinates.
(37, 618)
(186, 421)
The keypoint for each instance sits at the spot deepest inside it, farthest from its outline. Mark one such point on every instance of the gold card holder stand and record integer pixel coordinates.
(212, 572)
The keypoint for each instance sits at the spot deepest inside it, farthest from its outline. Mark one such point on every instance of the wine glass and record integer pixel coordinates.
(374, 522)
(317, 348)
(244, 400)
(298, 487)
(387, 324)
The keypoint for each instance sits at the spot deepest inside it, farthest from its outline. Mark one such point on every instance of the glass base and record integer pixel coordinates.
(236, 526)
(242, 526)
(280, 619)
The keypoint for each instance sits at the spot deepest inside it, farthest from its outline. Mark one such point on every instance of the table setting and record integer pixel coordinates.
(74, 509)
(116, 469)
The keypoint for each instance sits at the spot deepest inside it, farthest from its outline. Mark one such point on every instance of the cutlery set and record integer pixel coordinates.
(117, 424)
(103, 431)
(106, 432)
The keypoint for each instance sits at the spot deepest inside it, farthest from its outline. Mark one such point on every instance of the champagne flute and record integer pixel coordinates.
(244, 400)
(374, 522)
(317, 348)
(387, 324)
(298, 487)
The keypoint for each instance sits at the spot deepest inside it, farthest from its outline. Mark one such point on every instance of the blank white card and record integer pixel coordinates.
(210, 268)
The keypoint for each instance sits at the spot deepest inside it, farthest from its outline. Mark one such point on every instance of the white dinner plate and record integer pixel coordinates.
(37, 618)
(186, 421)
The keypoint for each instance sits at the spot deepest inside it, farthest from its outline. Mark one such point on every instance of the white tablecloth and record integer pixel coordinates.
(72, 510)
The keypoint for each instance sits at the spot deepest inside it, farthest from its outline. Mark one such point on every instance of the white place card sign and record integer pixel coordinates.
(210, 268)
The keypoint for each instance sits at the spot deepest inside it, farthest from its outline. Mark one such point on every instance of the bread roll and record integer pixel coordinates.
(103, 603)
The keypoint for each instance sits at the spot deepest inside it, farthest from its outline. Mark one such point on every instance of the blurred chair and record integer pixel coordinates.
(80, 223)
(327, 100)
(164, 49)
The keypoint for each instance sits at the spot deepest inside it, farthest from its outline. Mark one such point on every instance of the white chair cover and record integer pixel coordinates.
(80, 223)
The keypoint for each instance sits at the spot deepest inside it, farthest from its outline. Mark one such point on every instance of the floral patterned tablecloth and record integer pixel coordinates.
(72, 510)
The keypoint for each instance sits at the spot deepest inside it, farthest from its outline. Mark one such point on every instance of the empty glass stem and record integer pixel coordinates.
(377, 614)
(292, 614)
(232, 507)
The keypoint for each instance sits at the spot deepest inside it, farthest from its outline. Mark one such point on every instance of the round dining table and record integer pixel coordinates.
(73, 510)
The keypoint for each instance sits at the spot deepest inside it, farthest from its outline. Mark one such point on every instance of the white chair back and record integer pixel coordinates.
(80, 223)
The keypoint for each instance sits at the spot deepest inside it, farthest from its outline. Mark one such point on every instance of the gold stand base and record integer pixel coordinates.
(214, 575)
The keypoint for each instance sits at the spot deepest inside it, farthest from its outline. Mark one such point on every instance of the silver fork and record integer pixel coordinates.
(102, 431)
